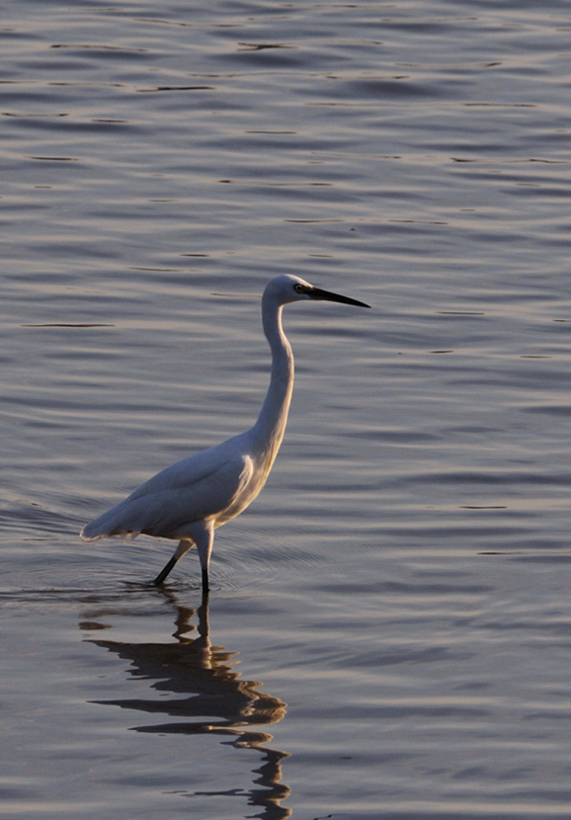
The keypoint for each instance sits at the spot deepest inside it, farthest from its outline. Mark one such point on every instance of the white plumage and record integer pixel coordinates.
(190, 499)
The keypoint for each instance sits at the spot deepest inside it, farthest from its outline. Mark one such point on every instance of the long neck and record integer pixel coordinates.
(270, 426)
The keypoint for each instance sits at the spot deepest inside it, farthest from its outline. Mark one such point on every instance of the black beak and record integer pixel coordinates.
(326, 296)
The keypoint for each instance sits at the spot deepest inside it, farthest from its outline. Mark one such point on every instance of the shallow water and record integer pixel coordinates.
(389, 629)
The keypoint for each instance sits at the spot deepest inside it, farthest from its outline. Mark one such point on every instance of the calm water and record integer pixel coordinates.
(389, 633)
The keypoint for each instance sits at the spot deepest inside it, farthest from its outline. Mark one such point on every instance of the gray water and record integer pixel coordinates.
(389, 630)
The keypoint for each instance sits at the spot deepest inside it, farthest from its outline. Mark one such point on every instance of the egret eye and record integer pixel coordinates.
(299, 288)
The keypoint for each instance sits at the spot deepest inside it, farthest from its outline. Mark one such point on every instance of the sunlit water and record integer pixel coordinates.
(389, 631)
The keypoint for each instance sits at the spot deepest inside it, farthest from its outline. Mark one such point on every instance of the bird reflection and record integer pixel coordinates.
(212, 699)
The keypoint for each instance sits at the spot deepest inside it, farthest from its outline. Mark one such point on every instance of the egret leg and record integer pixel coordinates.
(165, 571)
(183, 547)
(203, 537)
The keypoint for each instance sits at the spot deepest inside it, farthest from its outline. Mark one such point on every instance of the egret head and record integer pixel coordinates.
(287, 288)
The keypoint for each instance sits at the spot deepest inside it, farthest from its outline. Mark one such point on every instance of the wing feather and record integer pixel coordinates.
(204, 486)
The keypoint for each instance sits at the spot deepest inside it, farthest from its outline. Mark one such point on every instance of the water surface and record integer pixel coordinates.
(389, 630)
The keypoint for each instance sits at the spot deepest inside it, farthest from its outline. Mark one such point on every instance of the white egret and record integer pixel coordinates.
(190, 499)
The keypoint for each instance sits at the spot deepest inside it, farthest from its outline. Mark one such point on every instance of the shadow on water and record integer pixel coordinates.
(207, 686)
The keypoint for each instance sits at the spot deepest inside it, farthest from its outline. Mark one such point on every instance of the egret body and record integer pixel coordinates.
(190, 499)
